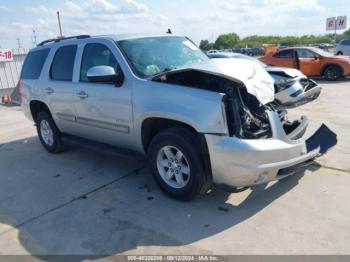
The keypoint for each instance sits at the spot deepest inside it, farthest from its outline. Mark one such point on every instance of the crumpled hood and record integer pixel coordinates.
(255, 78)
(288, 71)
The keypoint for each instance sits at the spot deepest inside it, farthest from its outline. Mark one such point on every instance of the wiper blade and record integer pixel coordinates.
(167, 69)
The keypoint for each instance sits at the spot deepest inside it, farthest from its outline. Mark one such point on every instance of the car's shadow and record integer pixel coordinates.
(106, 213)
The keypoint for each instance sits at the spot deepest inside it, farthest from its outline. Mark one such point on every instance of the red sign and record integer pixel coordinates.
(341, 22)
(336, 23)
(6, 55)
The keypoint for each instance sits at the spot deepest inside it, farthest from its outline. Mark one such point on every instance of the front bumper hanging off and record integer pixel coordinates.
(246, 162)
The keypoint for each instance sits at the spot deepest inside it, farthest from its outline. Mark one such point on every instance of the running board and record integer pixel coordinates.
(108, 149)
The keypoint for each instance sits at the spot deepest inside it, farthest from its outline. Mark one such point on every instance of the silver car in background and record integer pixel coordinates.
(199, 121)
(292, 87)
(343, 47)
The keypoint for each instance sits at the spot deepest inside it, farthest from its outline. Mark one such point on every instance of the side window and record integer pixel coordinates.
(63, 63)
(284, 54)
(303, 53)
(34, 63)
(346, 42)
(96, 55)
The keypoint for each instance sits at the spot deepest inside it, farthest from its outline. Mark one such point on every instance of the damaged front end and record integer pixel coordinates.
(262, 145)
(293, 90)
(245, 116)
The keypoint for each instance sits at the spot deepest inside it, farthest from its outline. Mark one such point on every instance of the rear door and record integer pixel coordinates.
(58, 87)
(104, 110)
(283, 58)
(309, 62)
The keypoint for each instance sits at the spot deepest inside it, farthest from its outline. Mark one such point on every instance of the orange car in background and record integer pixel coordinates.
(311, 61)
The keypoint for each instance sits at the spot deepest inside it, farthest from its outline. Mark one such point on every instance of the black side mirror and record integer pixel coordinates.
(104, 74)
(317, 57)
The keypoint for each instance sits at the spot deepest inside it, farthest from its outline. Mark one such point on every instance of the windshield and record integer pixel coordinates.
(153, 55)
(321, 52)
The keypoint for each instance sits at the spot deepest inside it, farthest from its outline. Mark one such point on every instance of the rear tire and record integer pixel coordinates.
(176, 163)
(332, 73)
(49, 135)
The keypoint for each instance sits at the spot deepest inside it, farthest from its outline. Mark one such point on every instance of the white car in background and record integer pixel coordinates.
(292, 87)
(343, 47)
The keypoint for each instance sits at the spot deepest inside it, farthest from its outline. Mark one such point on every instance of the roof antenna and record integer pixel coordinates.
(169, 31)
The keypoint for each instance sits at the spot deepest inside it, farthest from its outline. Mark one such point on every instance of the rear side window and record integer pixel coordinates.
(284, 54)
(63, 63)
(34, 64)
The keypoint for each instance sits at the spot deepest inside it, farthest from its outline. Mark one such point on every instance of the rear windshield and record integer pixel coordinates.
(33, 64)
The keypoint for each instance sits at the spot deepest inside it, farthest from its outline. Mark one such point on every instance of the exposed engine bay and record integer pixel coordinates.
(246, 117)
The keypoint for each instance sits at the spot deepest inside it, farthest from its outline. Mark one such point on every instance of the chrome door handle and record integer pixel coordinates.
(82, 95)
(49, 90)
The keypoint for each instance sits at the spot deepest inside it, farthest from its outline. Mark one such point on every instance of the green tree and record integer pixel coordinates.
(226, 41)
(205, 45)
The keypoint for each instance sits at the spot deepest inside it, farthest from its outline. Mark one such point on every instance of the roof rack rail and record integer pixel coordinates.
(62, 38)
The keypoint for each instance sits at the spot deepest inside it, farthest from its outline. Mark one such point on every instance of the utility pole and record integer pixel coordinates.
(34, 37)
(19, 43)
(59, 23)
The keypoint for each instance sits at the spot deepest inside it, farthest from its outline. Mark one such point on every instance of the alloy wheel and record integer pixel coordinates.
(46, 132)
(173, 167)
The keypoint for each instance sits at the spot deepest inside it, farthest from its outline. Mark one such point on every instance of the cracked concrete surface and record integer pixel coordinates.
(86, 202)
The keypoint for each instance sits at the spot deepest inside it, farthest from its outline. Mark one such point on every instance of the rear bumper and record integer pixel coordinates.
(239, 162)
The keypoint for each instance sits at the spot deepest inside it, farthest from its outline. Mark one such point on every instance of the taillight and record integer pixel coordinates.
(19, 90)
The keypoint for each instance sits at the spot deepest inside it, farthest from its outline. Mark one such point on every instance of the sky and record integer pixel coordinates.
(197, 19)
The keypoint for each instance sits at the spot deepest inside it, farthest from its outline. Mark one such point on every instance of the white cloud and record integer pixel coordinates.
(92, 17)
(42, 10)
(4, 8)
(253, 17)
(197, 19)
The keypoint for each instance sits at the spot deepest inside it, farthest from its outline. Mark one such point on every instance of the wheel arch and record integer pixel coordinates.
(36, 106)
(324, 67)
(151, 126)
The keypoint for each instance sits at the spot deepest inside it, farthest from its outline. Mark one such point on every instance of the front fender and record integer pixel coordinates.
(198, 108)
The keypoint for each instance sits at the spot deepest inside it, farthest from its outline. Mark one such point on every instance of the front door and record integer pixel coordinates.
(104, 110)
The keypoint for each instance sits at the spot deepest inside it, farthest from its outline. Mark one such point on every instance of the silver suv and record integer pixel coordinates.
(343, 47)
(199, 121)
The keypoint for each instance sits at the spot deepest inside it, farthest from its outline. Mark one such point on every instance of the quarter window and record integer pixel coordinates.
(34, 63)
(284, 54)
(96, 55)
(63, 63)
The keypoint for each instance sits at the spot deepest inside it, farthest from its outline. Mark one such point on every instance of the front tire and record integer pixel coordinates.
(176, 163)
(49, 135)
(332, 73)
